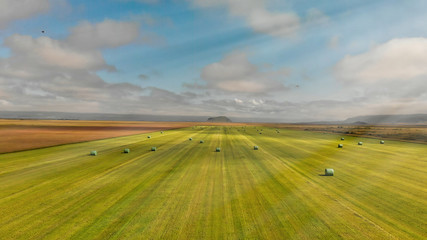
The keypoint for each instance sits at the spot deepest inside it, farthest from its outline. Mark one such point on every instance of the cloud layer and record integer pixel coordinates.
(12, 10)
(234, 73)
(400, 60)
(75, 70)
(106, 34)
(257, 16)
(388, 78)
(47, 73)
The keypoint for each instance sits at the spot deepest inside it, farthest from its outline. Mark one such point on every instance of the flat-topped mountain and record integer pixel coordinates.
(219, 119)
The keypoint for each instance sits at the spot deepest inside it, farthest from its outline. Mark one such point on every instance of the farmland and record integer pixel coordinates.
(408, 133)
(187, 190)
(20, 135)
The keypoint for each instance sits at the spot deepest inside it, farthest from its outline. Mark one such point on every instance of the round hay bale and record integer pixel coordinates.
(255, 147)
(329, 172)
(148, 136)
(360, 143)
(382, 142)
(342, 138)
(153, 149)
(127, 150)
(190, 139)
(340, 146)
(161, 132)
(218, 149)
(201, 141)
(93, 153)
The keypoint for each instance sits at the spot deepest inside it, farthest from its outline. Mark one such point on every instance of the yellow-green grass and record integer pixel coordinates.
(187, 190)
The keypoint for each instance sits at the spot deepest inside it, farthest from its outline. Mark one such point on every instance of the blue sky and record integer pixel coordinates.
(265, 59)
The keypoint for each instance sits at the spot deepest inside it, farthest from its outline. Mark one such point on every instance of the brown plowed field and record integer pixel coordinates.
(17, 135)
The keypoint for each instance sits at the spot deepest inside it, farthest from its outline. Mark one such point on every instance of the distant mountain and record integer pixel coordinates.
(407, 119)
(388, 119)
(219, 119)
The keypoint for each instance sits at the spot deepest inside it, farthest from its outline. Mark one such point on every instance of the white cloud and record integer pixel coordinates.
(46, 52)
(12, 10)
(4, 102)
(258, 17)
(334, 42)
(389, 78)
(238, 100)
(234, 73)
(106, 34)
(401, 60)
(257, 102)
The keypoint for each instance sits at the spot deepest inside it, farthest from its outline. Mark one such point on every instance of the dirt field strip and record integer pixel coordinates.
(18, 135)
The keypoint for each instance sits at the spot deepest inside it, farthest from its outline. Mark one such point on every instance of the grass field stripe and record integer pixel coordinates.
(163, 179)
(80, 159)
(326, 190)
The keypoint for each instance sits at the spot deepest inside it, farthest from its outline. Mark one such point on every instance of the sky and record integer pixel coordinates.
(274, 60)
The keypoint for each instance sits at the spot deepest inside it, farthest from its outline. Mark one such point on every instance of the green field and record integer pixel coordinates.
(187, 190)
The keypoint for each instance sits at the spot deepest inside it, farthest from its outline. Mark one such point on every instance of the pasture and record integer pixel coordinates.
(187, 190)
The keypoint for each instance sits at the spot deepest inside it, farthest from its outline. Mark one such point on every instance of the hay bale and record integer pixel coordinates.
(255, 147)
(148, 136)
(93, 153)
(340, 146)
(161, 132)
(218, 149)
(360, 143)
(127, 150)
(342, 138)
(201, 141)
(190, 139)
(329, 172)
(382, 142)
(153, 149)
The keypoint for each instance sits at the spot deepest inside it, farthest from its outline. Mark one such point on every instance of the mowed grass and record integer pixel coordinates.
(187, 190)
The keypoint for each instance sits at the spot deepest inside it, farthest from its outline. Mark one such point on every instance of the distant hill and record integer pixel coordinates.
(404, 119)
(388, 119)
(219, 119)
